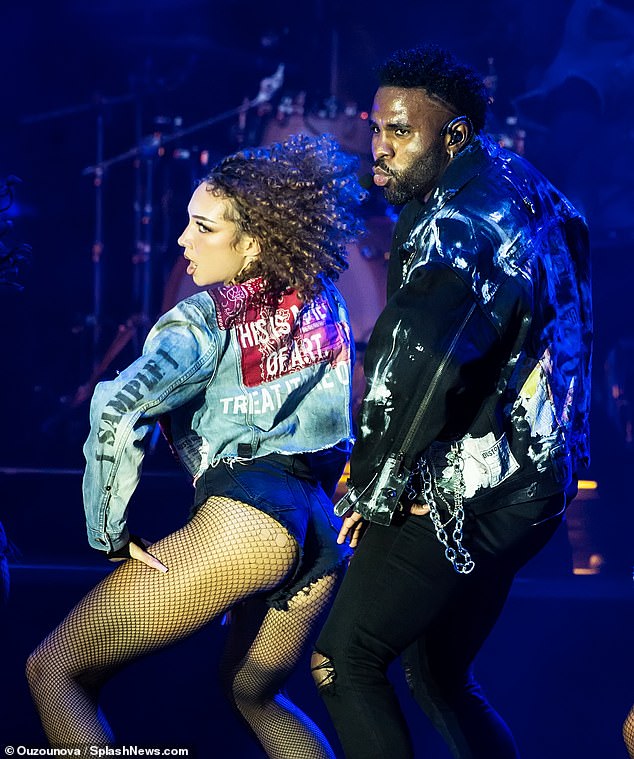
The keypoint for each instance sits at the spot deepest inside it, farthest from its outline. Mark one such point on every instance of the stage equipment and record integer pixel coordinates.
(144, 154)
(100, 104)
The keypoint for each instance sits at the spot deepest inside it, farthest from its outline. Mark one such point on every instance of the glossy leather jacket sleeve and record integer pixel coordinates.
(433, 358)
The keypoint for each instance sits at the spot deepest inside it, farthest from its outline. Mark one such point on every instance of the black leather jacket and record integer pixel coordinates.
(484, 347)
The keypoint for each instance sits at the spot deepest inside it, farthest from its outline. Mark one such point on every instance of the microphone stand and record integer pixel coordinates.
(144, 154)
(268, 87)
(94, 319)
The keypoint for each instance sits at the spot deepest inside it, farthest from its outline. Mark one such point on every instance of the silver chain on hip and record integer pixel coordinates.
(458, 556)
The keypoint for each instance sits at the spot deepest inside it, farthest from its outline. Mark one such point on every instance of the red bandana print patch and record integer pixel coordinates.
(276, 340)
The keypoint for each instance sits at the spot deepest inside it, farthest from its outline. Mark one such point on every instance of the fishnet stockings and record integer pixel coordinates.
(264, 646)
(628, 733)
(227, 553)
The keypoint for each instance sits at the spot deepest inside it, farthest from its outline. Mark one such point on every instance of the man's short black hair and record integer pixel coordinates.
(440, 74)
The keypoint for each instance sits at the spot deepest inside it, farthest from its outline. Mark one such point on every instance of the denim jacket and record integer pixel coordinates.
(230, 378)
(478, 369)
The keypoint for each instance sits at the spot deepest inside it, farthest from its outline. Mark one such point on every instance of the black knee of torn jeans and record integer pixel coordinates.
(323, 671)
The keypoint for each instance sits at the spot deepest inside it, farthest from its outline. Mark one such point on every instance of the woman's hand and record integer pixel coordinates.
(140, 554)
(136, 550)
(353, 527)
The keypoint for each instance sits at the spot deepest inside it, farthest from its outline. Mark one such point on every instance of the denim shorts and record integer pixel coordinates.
(284, 488)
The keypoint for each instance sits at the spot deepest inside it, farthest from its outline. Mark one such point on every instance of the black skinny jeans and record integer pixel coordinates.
(401, 596)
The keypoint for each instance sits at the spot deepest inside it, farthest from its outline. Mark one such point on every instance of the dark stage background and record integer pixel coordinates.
(151, 93)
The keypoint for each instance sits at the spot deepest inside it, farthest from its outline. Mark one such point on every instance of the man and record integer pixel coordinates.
(474, 420)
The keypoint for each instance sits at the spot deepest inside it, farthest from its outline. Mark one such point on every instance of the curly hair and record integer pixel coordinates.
(442, 76)
(297, 199)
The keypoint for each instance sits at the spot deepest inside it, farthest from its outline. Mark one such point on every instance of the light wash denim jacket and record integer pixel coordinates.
(230, 379)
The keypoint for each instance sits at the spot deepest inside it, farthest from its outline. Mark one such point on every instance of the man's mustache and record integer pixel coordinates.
(383, 168)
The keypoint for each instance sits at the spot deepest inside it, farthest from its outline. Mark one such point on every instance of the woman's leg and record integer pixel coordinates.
(228, 552)
(628, 733)
(263, 648)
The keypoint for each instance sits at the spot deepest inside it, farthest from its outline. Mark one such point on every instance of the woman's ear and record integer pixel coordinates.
(250, 249)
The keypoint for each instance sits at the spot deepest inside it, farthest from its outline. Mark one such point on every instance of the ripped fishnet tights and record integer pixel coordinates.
(227, 553)
(263, 647)
(628, 733)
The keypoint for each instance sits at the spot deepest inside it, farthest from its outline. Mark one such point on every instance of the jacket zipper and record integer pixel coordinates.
(432, 386)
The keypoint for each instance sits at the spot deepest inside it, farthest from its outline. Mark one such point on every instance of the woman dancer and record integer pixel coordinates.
(251, 381)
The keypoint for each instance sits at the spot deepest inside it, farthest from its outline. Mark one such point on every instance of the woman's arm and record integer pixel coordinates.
(178, 360)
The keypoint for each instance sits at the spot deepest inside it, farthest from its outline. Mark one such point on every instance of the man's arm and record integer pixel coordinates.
(433, 358)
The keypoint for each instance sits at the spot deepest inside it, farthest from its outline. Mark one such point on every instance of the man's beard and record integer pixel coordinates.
(416, 181)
